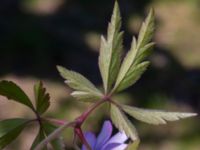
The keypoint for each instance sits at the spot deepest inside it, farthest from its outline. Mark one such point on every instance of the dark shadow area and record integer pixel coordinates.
(32, 44)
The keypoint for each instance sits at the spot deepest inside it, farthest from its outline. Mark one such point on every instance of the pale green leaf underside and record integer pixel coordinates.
(110, 50)
(133, 76)
(79, 83)
(85, 96)
(122, 122)
(155, 117)
(132, 67)
(146, 31)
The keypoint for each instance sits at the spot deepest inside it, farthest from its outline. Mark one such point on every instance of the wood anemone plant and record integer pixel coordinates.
(117, 75)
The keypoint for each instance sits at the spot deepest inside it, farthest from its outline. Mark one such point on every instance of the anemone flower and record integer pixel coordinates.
(104, 141)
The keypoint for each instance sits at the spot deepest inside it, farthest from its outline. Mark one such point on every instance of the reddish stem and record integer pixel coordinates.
(84, 116)
(80, 134)
(78, 122)
(55, 121)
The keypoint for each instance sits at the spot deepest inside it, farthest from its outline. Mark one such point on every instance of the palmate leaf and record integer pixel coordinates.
(110, 50)
(122, 122)
(154, 116)
(82, 86)
(10, 130)
(14, 92)
(42, 98)
(132, 68)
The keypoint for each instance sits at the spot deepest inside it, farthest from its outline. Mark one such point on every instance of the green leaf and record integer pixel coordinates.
(45, 130)
(85, 96)
(133, 76)
(57, 143)
(122, 122)
(110, 50)
(80, 84)
(155, 116)
(55, 134)
(41, 136)
(10, 130)
(134, 145)
(14, 92)
(42, 98)
(132, 68)
(147, 30)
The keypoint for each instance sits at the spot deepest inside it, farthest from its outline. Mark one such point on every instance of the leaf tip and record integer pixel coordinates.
(116, 5)
(59, 68)
(187, 115)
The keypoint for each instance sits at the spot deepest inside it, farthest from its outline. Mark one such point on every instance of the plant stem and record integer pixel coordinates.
(75, 124)
(80, 134)
(53, 135)
(80, 120)
(55, 121)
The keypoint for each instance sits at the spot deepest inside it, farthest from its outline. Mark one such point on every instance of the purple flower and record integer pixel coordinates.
(104, 141)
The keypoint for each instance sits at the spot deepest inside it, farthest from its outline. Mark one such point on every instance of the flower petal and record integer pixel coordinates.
(111, 146)
(115, 146)
(120, 147)
(120, 137)
(91, 139)
(104, 135)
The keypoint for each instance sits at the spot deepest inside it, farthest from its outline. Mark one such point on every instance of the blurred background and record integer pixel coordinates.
(37, 35)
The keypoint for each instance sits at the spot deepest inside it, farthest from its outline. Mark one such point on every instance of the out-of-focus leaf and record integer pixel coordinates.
(41, 136)
(134, 145)
(132, 68)
(110, 50)
(57, 143)
(155, 116)
(53, 135)
(80, 84)
(46, 129)
(14, 92)
(122, 122)
(10, 130)
(42, 98)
